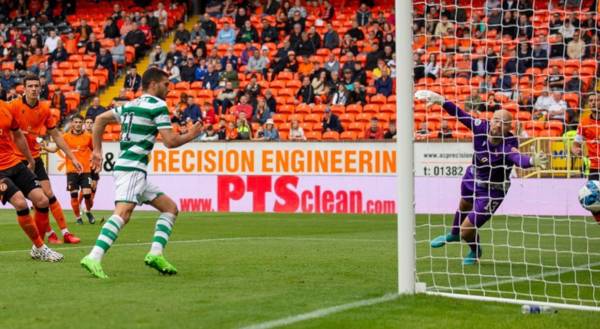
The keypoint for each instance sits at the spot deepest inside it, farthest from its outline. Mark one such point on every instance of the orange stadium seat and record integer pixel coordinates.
(331, 135)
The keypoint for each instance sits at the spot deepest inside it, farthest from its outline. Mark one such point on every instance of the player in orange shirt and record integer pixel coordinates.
(17, 181)
(34, 117)
(80, 143)
(588, 132)
(87, 126)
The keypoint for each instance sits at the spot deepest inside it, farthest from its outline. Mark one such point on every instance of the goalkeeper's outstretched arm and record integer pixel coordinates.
(434, 98)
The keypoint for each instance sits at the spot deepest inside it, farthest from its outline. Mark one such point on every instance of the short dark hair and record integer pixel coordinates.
(77, 116)
(152, 74)
(30, 77)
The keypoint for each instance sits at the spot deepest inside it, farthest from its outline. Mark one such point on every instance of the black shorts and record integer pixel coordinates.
(40, 169)
(95, 176)
(76, 181)
(15, 179)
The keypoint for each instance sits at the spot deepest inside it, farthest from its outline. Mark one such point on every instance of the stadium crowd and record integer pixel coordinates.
(279, 70)
(537, 59)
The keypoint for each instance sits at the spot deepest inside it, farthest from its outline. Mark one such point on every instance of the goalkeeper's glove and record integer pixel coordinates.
(539, 160)
(430, 97)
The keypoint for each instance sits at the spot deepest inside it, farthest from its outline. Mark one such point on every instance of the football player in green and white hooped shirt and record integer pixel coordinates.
(141, 121)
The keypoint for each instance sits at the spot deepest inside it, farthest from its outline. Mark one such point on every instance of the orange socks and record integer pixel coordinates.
(29, 226)
(57, 213)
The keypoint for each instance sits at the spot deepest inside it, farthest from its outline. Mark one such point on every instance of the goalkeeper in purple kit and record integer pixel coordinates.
(487, 179)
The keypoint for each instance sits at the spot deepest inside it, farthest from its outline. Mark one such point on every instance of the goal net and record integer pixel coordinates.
(538, 61)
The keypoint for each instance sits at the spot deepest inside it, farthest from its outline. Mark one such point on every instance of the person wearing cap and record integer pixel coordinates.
(226, 35)
(331, 122)
(269, 132)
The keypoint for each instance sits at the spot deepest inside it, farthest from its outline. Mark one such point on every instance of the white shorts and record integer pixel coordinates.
(133, 187)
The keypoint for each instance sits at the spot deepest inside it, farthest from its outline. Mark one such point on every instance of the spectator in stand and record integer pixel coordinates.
(297, 8)
(35, 59)
(82, 84)
(244, 129)
(162, 16)
(173, 71)
(423, 130)
(332, 64)
(305, 46)
(95, 109)
(7, 81)
(494, 20)
(252, 90)
(574, 84)
(268, 132)
(175, 55)
(126, 26)
(188, 70)
(158, 56)
(118, 51)
(249, 49)
(355, 32)
(331, 39)
(524, 54)
(557, 49)
(576, 47)
(229, 75)
(211, 80)
(182, 36)
(509, 25)
(558, 109)
(208, 114)
(226, 35)
(556, 79)
(383, 85)
(137, 39)
(271, 101)
(201, 70)
(542, 104)
(44, 71)
(525, 29)
(296, 131)
(222, 129)
(445, 131)
(44, 91)
(59, 54)
(71, 43)
(133, 80)
(247, 33)
(104, 60)
(306, 93)
(92, 46)
(348, 45)
(374, 131)
(341, 95)
(492, 104)
(20, 65)
(262, 112)
(230, 58)
(241, 17)
(390, 132)
(269, 32)
(12, 94)
(363, 15)
(242, 106)
(111, 30)
(198, 32)
(331, 122)
(208, 25)
(257, 64)
(225, 99)
(84, 31)
(192, 111)
(319, 83)
(432, 68)
(540, 56)
(444, 27)
(373, 56)
(209, 135)
(474, 103)
(567, 30)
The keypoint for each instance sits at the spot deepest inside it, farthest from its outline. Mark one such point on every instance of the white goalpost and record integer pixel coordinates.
(540, 247)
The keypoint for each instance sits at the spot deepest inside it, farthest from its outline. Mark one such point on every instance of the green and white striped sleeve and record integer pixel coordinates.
(162, 120)
(117, 111)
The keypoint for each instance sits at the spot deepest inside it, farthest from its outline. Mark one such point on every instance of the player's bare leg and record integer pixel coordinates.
(164, 227)
(108, 234)
(464, 207)
(59, 216)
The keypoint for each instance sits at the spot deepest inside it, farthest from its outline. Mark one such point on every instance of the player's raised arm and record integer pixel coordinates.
(98, 129)
(434, 98)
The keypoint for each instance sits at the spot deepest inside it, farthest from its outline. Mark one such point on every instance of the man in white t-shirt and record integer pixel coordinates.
(51, 41)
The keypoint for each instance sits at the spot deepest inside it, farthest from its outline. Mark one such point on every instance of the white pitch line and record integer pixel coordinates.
(249, 238)
(529, 278)
(323, 312)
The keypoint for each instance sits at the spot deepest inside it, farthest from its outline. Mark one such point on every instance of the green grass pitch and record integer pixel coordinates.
(238, 270)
